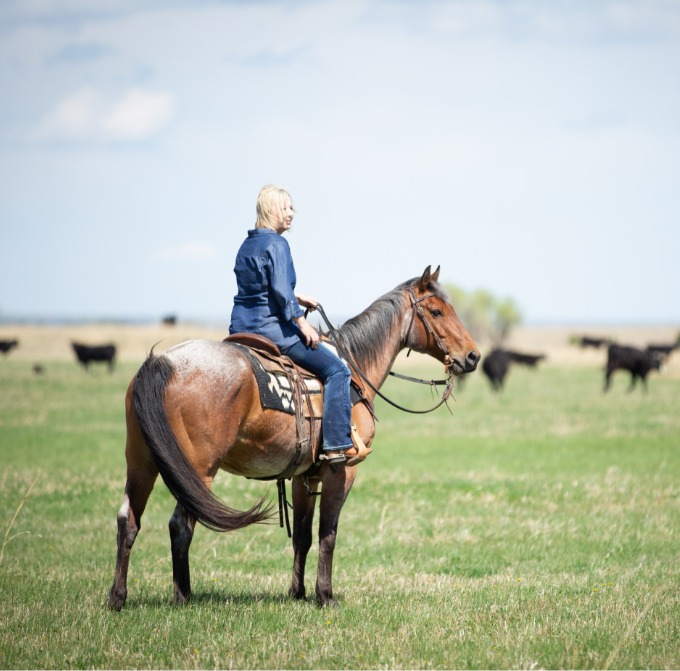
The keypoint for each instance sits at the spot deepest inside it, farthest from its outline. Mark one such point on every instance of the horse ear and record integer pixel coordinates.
(425, 279)
(435, 275)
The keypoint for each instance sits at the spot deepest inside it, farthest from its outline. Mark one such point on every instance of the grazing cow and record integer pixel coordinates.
(664, 351)
(7, 345)
(87, 353)
(637, 362)
(526, 359)
(587, 341)
(496, 364)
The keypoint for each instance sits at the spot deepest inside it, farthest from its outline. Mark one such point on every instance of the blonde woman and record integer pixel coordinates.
(267, 304)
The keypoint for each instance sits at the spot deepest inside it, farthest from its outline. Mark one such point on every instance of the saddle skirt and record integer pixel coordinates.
(281, 382)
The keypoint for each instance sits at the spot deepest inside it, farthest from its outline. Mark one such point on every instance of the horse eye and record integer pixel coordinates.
(436, 312)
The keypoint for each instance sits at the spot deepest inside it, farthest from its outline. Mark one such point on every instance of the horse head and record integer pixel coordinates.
(434, 327)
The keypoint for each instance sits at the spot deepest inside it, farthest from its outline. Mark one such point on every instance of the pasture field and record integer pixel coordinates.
(536, 528)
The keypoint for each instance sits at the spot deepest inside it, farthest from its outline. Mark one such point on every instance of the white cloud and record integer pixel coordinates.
(74, 117)
(140, 114)
(85, 115)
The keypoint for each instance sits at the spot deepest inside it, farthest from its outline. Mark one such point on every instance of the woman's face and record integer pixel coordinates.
(283, 217)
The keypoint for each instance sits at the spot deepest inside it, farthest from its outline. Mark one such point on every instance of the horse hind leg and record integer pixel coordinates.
(129, 524)
(141, 477)
(181, 527)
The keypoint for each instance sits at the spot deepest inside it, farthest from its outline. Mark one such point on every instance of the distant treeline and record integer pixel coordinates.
(485, 316)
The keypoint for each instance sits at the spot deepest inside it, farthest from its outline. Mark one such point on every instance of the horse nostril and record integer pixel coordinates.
(472, 359)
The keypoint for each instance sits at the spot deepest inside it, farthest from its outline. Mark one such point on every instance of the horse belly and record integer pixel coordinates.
(266, 446)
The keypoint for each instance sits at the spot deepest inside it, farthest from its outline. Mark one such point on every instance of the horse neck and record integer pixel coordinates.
(376, 336)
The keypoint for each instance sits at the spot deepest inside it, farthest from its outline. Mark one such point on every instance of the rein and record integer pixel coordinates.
(350, 360)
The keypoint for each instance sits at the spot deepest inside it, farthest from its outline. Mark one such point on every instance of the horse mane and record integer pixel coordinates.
(362, 333)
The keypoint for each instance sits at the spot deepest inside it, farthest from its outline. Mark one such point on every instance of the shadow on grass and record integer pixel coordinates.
(216, 598)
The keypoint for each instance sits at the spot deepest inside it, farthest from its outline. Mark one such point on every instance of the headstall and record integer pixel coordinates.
(416, 309)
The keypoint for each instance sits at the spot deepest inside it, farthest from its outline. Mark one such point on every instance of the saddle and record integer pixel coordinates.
(290, 388)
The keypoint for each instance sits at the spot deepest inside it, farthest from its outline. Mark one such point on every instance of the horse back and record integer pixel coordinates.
(213, 405)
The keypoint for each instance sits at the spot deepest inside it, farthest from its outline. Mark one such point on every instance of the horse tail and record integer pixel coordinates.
(179, 475)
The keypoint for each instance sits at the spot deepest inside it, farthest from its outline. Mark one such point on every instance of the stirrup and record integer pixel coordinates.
(333, 456)
(350, 455)
(361, 450)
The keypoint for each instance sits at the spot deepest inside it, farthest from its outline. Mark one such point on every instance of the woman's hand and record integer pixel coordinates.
(308, 333)
(307, 302)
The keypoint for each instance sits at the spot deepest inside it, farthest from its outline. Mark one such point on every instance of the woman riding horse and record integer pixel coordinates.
(266, 304)
(195, 409)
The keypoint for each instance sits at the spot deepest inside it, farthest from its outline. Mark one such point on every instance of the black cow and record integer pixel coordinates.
(526, 359)
(497, 363)
(663, 351)
(87, 353)
(587, 341)
(495, 366)
(638, 362)
(7, 345)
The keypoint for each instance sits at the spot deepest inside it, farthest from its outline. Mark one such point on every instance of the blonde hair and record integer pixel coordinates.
(269, 202)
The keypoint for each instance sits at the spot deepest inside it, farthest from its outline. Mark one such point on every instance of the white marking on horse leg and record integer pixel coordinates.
(124, 511)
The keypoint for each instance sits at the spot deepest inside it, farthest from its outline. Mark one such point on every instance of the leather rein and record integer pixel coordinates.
(416, 308)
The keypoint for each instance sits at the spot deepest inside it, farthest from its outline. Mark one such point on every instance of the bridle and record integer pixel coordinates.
(416, 309)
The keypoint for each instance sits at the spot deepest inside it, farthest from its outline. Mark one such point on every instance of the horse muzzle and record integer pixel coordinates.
(460, 366)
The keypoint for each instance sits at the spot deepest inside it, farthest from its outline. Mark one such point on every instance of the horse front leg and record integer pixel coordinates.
(181, 527)
(304, 502)
(337, 481)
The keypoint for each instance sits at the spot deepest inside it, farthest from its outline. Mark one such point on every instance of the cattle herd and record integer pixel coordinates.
(638, 362)
(495, 365)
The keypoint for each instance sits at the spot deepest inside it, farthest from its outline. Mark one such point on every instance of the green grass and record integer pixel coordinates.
(534, 528)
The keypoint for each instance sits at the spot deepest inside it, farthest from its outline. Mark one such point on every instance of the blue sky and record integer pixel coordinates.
(530, 147)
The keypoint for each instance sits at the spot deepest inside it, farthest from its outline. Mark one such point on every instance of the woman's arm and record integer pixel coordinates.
(308, 332)
(289, 302)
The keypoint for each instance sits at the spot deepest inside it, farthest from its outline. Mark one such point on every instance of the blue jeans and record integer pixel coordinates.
(337, 405)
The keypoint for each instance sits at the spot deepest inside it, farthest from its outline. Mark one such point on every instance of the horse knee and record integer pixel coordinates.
(327, 543)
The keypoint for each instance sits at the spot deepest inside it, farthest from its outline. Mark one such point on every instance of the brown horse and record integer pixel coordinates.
(196, 409)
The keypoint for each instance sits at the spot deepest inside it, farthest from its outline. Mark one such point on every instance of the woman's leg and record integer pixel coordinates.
(337, 406)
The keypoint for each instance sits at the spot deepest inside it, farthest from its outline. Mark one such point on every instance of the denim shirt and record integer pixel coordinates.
(265, 277)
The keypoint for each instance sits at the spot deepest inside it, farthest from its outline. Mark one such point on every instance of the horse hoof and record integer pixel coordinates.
(116, 603)
(181, 600)
(298, 596)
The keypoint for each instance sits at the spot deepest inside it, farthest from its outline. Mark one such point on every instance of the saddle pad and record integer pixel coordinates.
(276, 394)
(275, 391)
